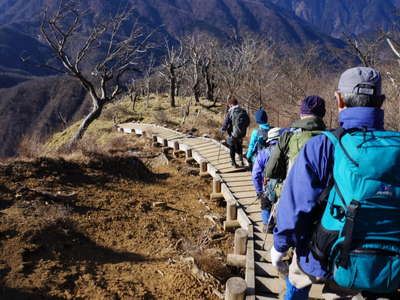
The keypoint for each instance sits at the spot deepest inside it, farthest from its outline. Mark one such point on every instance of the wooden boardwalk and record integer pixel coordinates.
(235, 186)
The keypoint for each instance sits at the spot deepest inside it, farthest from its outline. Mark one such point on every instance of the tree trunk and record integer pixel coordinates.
(93, 115)
(209, 84)
(173, 88)
(196, 93)
(134, 97)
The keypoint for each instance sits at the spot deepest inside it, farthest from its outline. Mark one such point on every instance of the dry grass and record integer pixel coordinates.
(102, 134)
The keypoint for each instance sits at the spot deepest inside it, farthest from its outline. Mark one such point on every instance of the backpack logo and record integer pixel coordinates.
(385, 190)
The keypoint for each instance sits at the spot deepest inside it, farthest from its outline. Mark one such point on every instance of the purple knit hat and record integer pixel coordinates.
(313, 105)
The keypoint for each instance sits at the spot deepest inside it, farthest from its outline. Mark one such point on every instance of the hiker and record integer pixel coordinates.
(258, 137)
(266, 193)
(312, 111)
(235, 124)
(352, 239)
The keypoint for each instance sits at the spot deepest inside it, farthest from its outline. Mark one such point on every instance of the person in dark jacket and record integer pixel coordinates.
(235, 143)
(312, 111)
(308, 178)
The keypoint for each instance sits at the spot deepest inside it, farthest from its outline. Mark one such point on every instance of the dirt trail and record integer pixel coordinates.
(109, 241)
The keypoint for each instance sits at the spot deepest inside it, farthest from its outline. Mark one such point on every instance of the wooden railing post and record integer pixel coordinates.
(155, 141)
(203, 169)
(231, 221)
(176, 149)
(189, 155)
(238, 258)
(235, 289)
(216, 190)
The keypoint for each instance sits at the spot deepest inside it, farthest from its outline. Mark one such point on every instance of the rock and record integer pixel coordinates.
(160, 160)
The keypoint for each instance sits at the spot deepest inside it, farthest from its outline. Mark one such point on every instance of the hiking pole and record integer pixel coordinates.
(273, 209)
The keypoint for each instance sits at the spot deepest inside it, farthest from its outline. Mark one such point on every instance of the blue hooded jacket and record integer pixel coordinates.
(257, 173)
(254, 139)
(304, 184)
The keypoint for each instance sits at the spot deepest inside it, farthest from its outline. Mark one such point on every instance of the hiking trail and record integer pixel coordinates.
(243, 211)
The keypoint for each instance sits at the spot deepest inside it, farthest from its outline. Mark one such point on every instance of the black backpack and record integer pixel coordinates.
(240, 122)
(262, 137)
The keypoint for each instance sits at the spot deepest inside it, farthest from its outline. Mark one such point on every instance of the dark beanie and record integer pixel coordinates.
(313, 105)
(261, 116)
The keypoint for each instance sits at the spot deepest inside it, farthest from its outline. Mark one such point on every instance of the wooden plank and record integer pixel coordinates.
(255, 208)
(255, 217)
(262, 256)
(316, 291)
(250, 266)
(265, 270)
(238, 174)
(270, 297)
(248, 188)
(239, 183)
(248, 201)
(270, 285)
(245, 194)
(204, 147)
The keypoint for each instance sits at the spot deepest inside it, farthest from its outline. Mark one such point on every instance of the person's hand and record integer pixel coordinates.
(276, 260)
(266, 179)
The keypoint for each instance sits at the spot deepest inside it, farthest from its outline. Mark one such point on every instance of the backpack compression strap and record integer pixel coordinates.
(350, 211)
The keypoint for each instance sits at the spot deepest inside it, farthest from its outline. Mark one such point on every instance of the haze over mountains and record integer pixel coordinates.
(334, 17)
(295, 23)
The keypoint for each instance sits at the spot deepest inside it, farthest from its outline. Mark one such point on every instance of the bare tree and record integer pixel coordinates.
(173, 61)
(194, 66)
(75, 50)
(134, 91)
(366, 50)
(210, 64)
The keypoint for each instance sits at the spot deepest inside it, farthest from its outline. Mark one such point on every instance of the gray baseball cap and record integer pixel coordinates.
(361, 80)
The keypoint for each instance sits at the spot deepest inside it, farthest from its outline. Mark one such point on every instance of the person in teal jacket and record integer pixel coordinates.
(258, 136)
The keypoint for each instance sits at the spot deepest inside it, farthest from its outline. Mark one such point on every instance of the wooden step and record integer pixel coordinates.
(270, 297)
(270, 285)
(235, 189)
(265, 270)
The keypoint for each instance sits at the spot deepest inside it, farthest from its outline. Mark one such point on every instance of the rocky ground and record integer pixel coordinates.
(109, 227)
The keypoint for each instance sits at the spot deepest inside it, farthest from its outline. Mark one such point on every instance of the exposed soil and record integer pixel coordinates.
(106, 236)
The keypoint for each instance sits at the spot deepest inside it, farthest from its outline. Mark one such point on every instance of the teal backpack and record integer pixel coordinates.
(358, 237)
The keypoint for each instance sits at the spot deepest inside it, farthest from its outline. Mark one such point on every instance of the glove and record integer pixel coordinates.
(276, 260)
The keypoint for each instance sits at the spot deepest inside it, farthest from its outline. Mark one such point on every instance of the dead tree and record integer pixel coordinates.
(134, 91)
(366, 50)
(210, 52)
(120, 54)
(194, 66)
(173, 61)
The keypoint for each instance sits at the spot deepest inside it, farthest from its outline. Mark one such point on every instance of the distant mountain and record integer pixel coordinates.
(13, 46)
(334, 17)
(32, 109)
(178, 17)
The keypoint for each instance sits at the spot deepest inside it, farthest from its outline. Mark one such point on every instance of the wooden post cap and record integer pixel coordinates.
(235, 289)
(240, 246)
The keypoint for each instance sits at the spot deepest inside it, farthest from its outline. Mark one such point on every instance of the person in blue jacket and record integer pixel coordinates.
(258, 175)
(309, 177)
(257, 136)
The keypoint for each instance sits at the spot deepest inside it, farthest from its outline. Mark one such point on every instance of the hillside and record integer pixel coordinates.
(13, 46)
(176, 18)
(90, 228)
(353, 17)
(33, 109)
